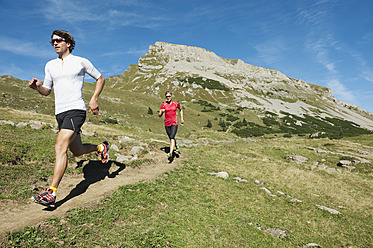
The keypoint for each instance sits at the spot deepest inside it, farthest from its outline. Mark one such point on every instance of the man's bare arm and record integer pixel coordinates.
(93, 105)
(35, 84)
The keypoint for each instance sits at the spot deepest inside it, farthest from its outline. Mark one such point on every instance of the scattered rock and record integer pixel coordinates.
(322, 167)
(136, 149)
(221, 174)
(114, 147)
(288, 196)
(186, 142)
(364, 161)
(311, 245)
(315, 135)
(330, 210)
(33, 124)
(123, 139)
(121, 158)
(278, 233)
(297, 158)
(21, 124)
(332, 169)
(268, 191)
(86, 133)
(36, 124)
(161, 141)
(317, 150)
(3, 122)
(239, 180)
(326, 168)
(356, 158)
(346, 164)
(355, 161)
(366, 153)
(259, 182)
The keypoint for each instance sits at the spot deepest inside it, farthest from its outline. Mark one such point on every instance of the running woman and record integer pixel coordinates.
(66, 74)
(169, 107)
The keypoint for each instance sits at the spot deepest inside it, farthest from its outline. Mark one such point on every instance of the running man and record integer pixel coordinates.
(66, 74)
(169, 107)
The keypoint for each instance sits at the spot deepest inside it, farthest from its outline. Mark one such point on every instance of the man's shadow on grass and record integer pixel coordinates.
(94, 172)
(167, 150)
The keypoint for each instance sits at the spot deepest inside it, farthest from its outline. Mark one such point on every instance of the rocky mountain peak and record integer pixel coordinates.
(196, 73)
(194, 59)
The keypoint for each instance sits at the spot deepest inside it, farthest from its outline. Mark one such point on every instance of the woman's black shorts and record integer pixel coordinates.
(171, 131)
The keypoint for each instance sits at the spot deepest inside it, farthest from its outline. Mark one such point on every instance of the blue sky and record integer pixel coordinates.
(325, 42)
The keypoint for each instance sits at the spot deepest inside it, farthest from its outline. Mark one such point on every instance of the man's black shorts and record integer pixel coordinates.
(71, 119)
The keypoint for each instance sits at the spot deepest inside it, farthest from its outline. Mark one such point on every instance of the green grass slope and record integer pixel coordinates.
(190, 207)
(122, 104)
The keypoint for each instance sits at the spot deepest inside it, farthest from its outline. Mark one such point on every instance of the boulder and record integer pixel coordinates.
(278, 233)
(136, 149)
(297, 158)
(221, 174)
(114, 148)
(123, 139)
(121, 158)
(330, 210)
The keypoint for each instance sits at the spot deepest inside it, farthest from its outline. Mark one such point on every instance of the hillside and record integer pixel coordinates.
(223, 191)
(225, 95)
(195, 73)
(257, 169)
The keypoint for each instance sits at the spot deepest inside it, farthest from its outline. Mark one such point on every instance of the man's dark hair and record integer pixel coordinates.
(67, 36)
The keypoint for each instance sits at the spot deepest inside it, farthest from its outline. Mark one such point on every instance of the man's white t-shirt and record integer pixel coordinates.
(67, 77)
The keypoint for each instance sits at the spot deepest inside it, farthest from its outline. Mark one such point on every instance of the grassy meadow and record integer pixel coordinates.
(189, 207)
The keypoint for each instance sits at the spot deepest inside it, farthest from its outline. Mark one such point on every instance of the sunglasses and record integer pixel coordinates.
(59, 40)
(168, 96)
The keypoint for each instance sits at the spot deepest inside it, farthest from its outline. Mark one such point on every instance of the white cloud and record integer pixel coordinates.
(274, 51)
(131, 51)
(323, 49)
(367, 75)
(68, 11)
(22, 47)
(366, 71)
(367, 39)
(24, 73)
(340, 91)
(11, 70)
(108, 16)
(320, 48)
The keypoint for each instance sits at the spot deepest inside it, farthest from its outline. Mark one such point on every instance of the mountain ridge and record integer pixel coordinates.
(196, 73)
(227, 95)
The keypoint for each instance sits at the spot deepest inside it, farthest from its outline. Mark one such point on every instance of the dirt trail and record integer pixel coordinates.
(96, 181)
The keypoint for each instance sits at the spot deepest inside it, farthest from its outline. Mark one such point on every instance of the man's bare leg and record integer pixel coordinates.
(64, 139)
(68, 139)
(78, 148)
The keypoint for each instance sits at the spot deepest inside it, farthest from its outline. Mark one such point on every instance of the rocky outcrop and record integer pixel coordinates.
(196, 72)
